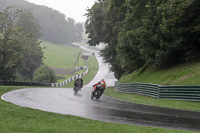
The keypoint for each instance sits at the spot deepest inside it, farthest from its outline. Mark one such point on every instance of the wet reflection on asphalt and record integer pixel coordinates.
(64, 101)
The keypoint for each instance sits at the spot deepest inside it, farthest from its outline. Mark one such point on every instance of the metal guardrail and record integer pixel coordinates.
(145, 89)
(176, 92)
(187, 92)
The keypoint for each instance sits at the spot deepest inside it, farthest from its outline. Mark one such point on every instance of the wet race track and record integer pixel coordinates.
(64, 101)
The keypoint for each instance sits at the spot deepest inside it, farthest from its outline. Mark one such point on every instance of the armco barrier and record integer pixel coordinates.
(69, 80)
(177, 92)
(145, 89)
(186, 92)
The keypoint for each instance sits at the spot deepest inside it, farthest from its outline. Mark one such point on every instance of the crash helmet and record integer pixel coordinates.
(103, 82)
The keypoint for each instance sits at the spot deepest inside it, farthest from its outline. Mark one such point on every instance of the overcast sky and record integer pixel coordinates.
(71, 8)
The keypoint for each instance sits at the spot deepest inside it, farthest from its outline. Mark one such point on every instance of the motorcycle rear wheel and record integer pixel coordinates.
(76, 90)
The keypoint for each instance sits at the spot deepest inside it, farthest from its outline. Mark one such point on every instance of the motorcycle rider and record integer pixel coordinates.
(78, 83)
(100, 85)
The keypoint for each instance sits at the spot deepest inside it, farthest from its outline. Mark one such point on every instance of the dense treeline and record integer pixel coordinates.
(20, 51)
(55, 26)
(139, 33)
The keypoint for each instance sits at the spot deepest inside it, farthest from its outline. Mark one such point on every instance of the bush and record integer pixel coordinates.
(44, 74)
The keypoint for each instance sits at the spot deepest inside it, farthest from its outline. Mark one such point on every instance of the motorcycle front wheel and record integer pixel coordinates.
(92, 96)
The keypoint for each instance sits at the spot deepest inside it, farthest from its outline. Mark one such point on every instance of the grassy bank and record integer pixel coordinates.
(16, 119)
(184, 74)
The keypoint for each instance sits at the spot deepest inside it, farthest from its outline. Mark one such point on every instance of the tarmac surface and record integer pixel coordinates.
(64, 101)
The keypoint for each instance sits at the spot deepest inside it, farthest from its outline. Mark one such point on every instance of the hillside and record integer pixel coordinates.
(57, 28)
(184, 74)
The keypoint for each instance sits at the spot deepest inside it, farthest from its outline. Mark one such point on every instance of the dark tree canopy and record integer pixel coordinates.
(20, 53)
(139, 33)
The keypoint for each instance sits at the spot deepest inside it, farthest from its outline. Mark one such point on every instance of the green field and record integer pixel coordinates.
(63, 59)
(62, 56)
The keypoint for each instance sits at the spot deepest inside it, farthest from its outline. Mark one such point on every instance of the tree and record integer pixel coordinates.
(138, 33)
(78, 32)
(94, 23)
(32, 54)
(180, 32)
(103, 25)
(29, 24)
(11, 39)
(17, 47)
(32, 58)
(131, 36)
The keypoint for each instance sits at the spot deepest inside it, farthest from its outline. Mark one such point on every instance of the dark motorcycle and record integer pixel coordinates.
(97, 92)
(78, 84)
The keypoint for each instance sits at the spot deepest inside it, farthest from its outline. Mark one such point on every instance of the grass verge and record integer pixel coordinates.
(16, 119)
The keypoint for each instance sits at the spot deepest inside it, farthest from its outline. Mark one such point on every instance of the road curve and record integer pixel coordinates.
(64, 101)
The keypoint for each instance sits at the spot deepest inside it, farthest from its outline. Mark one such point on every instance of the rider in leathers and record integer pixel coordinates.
(78, 82)
(100, 85)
